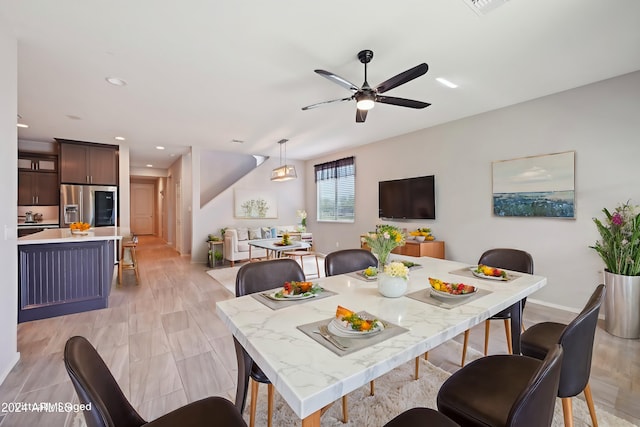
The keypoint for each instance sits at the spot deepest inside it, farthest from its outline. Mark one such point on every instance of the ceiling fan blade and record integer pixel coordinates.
(361, 116)
(403, 78)
(338, 80)
(402, 102)
(320, 104)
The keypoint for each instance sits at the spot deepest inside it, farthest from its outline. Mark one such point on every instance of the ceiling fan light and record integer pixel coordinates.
(365, 101)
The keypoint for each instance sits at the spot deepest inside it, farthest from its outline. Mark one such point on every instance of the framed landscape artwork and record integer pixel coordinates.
(255, 204)
(539, 186)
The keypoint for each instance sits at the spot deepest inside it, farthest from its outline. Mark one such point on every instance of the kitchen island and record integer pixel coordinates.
(63, 273)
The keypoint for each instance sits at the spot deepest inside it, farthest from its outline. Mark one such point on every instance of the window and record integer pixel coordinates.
(335, 190)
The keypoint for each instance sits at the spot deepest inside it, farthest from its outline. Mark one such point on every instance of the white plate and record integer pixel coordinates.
(361, 273)
(447, 295)
(80, 233)
(484, 276)
(291, 297)
(337, 328)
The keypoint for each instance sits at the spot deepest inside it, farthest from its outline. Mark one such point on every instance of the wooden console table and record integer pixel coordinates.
(433, 248)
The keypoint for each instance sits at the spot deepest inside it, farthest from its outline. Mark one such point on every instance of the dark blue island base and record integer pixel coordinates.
(63, 278)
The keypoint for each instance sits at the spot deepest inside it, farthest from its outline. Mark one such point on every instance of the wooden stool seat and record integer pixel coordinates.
(133, 265)
(301, 254)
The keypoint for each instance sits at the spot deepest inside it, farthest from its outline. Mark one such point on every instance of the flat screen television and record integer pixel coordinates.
(409, 198)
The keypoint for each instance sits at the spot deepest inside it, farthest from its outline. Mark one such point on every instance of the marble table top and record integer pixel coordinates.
(309, 376)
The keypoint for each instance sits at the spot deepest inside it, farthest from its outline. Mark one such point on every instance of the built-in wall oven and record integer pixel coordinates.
(93, 204)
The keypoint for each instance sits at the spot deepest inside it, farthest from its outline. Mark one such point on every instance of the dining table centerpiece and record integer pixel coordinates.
(393, 281)
(619, 248)
(383, 241)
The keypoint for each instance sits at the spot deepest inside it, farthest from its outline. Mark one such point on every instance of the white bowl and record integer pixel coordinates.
(420, 238)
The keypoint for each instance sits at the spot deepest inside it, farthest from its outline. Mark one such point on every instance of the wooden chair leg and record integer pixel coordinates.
(487, 329)
(134, 261)
(417, 369)
(567, 410)
(464, 347)
(254, 399)
(372, 388)
(507, 332)
(592, 409)
(269, 404)
(426, 356)
(345, 415)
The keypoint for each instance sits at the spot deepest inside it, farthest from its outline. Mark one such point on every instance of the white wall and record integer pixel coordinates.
(599, 121)
(218, 213)
(9, 178)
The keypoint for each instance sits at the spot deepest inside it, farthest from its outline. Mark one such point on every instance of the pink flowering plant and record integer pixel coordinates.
(619, 246)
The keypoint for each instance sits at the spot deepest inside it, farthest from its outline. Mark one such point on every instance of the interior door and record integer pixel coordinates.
(142, 208)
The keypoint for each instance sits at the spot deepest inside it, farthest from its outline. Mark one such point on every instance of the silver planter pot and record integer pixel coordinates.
(622, 305)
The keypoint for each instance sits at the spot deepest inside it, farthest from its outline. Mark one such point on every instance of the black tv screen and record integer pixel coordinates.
(409, 198)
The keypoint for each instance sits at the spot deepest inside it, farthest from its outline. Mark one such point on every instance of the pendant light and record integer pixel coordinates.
(284, 172)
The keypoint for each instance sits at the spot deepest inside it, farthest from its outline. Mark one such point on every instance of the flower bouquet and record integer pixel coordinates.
(383, 241)
(393, 282)
(619, 246)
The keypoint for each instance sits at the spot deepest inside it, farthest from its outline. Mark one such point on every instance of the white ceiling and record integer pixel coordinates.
(203, 73)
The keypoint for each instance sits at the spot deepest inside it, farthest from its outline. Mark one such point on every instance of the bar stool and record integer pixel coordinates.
(133, 265)
(301, 254)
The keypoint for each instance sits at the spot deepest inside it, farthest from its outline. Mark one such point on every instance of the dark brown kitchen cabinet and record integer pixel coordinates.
(88, 164)
(37, 162)
(38, 188)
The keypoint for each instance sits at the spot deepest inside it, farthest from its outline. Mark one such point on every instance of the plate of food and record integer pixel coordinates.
(491, 273)
(369, 273)
(350, 324)
(450, 290)
(410, 264)
(80, 228)
(296, 290)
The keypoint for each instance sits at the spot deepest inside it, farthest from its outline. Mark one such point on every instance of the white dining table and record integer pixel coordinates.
(309, 377)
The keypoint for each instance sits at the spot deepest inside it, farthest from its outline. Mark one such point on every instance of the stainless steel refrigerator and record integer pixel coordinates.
(94, 204)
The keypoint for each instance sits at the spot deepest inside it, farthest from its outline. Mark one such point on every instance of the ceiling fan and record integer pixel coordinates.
(366, 96)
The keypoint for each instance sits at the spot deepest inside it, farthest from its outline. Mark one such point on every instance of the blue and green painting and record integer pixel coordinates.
(540, 186)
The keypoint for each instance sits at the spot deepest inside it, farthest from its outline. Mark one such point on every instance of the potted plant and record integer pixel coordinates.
(392, 283)
(217, 255)
(619, 248)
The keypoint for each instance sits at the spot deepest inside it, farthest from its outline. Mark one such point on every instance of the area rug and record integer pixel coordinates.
(397, 391)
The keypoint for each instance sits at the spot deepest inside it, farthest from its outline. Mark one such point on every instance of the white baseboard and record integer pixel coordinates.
(560, 307)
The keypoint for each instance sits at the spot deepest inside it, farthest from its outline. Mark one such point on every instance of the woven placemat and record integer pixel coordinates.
(352, 344)
(277, 304)
(425, 295)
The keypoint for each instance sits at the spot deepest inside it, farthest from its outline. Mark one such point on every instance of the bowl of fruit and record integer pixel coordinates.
(450, 290)
(486, 272)
(81, 228)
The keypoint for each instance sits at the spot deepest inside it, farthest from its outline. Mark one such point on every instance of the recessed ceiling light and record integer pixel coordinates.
(116, 81)
(159, 147)
(72, 117)
(149, 165)
(119, 138)
(446, 82)
(22, 125)
(237, 141)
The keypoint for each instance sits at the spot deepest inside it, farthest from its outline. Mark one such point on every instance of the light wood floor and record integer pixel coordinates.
(166, 346)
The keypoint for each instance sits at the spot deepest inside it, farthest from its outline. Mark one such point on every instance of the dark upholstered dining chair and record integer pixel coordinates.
(425, 417)
(503, 391)
(257, 277)
(95, 384)
(342, 262)
(508, 259)
(348, 260)
(576, 339)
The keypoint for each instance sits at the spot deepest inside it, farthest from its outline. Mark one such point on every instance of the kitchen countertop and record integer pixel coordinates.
(63, 235)
(46, 222)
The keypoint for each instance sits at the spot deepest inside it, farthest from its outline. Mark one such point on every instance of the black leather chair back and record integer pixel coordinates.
(577, 342)
(509, 259)
(95, 384)
(257, 277)
(264, 275)
(534, 407)
(348, 260)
